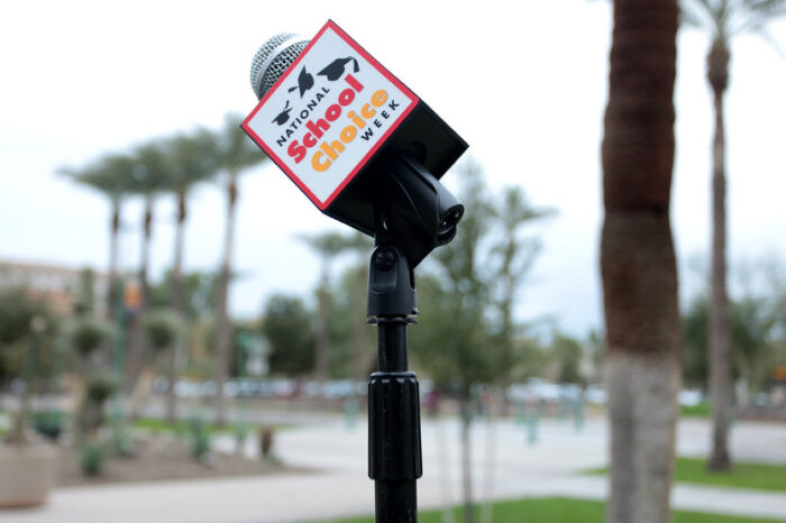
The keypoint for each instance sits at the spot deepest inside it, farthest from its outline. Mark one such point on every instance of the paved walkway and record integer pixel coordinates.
(341, 488)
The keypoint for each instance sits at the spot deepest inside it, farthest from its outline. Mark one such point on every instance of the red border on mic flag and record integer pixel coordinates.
(328, 114)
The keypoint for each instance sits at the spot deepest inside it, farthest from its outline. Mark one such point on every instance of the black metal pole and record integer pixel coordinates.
(392, 344)
(394, 405)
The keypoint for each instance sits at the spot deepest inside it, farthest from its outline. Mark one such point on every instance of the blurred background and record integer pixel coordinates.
(166, 292)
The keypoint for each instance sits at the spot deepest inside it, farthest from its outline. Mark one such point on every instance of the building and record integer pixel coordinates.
(61, 287)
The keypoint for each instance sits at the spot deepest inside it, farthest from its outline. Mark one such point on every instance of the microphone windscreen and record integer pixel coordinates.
(272, 59)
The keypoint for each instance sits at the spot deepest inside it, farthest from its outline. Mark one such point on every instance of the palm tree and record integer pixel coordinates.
(234, 153)
(109, 177)
(638, 264)
(723, 19)
(147, 178)
(327, 246)
(189, 160)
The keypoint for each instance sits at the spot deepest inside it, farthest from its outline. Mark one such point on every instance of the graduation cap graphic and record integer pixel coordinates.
(304, 82)
(335, 70)
(283, 116)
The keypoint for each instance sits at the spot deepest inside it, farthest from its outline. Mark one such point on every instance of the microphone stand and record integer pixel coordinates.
(394, 452)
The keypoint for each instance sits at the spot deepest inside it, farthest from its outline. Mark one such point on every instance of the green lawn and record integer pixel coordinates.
(180, 427)
(744, 475)
(702, 410)
(561, 510)
(161, 425)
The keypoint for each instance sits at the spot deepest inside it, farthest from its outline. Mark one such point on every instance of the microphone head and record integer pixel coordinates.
(272, 59)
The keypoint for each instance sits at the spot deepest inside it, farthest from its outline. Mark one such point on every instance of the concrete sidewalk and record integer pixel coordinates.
(341, 487)
(318, 497)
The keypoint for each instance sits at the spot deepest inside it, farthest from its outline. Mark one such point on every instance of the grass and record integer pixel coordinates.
(181, 426)
(743, 475)
(178, 427)
(561, 510)
(702, 410)
(755, 476)
(159, 425)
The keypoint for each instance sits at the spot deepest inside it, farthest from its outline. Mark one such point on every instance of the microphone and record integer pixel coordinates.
(359, 143)
(273, 58)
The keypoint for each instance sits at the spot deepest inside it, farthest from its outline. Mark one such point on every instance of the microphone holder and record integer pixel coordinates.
(394, 451)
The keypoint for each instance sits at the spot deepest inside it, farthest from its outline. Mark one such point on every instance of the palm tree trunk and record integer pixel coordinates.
(720, 344)
(144, 284)
(223, 330)
(178, 297)
(638, 263)
(114, 249)
(137, 346)
(178, 303)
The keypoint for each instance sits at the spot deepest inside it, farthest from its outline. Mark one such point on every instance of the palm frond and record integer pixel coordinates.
(724, 19)
(758, 13)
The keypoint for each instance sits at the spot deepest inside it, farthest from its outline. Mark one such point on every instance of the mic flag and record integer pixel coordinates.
(330, 114)
(322, 128)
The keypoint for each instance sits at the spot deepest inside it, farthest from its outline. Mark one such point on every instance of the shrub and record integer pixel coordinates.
(87, 334)
(162, 327)
(91, 459)
(240, 430)
(49, 423)
(199, 438)
(122, 443)
(101, 386)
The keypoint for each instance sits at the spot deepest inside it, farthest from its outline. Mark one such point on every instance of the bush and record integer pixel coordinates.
(98, 389)
(162, 327)
(87, 334)
(19, 315)
(101, 386)
(240, 430)
(91, 459)
(199, 438)
(49, 423)
(122, 443)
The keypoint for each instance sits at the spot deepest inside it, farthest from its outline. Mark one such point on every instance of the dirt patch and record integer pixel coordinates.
(159, 459)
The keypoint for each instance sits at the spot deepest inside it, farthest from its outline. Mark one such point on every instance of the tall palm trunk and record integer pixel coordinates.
(178, 303)
(720, 343)
(638, 264)
(113, 290)
(144, 267)
(178, 297)
(223, 330)
(138, 352)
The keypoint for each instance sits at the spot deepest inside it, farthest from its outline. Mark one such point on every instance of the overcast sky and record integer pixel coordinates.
(525, 87)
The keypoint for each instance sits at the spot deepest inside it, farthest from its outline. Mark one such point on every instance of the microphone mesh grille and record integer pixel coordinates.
(287, 47)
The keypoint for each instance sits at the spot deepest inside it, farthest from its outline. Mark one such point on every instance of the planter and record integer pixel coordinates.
(27, 474)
